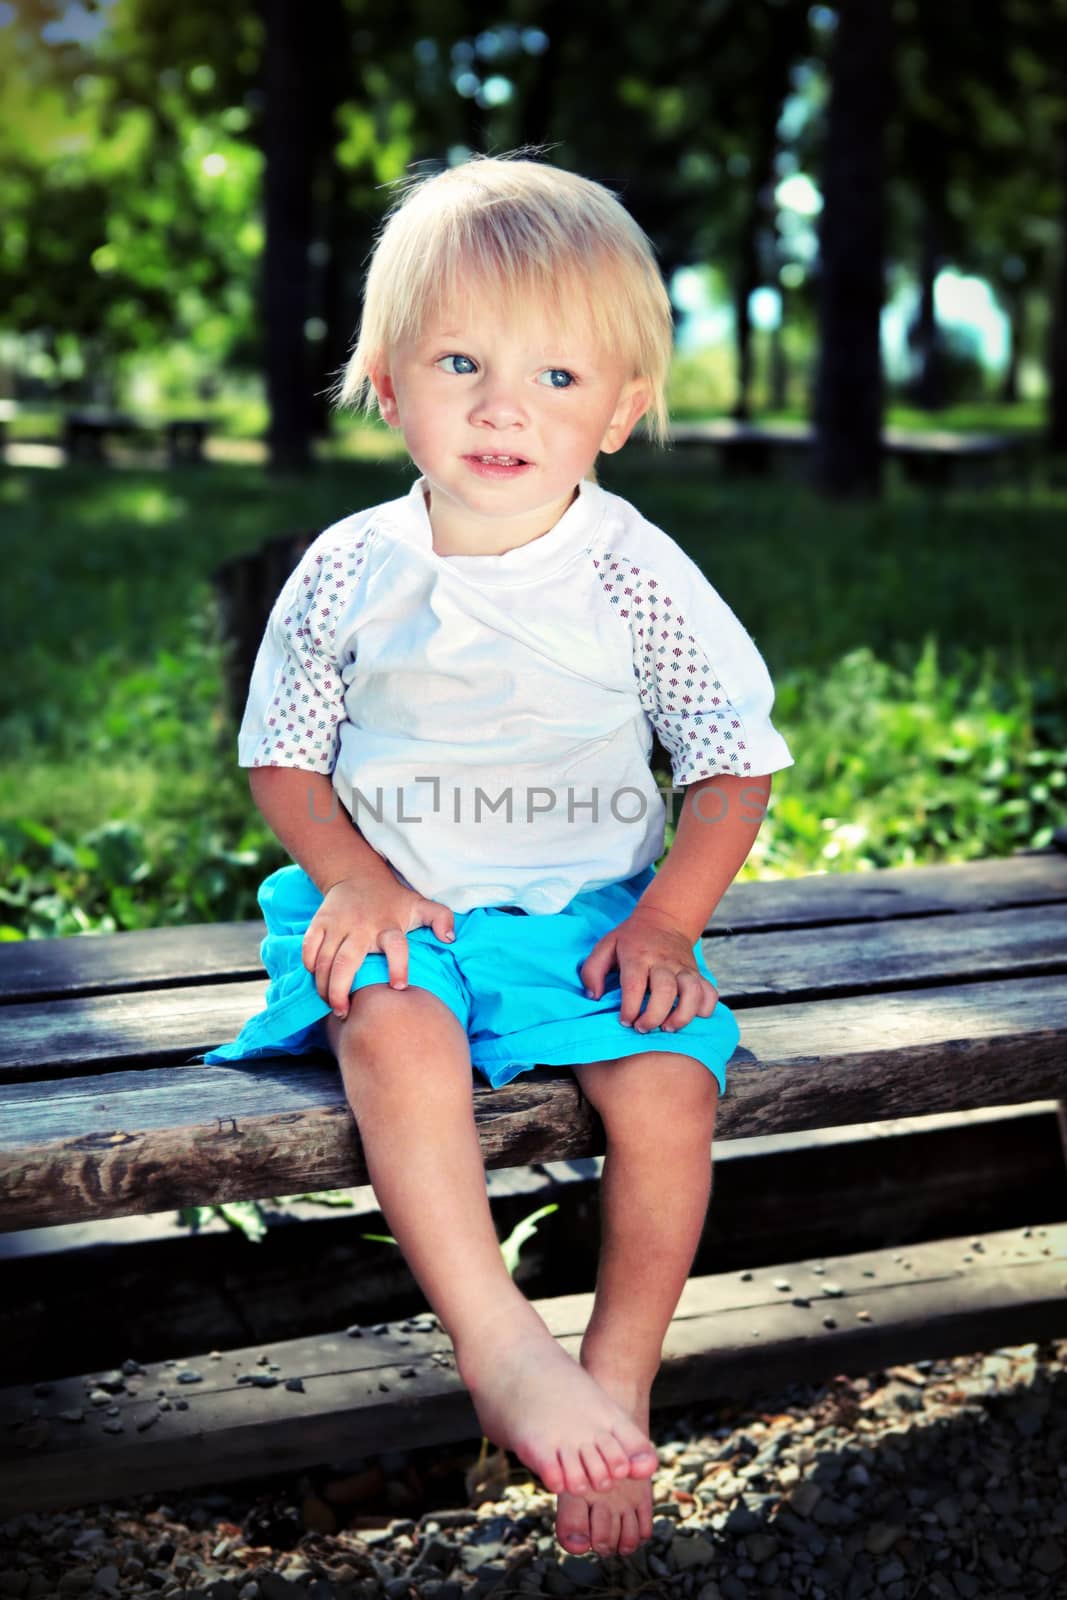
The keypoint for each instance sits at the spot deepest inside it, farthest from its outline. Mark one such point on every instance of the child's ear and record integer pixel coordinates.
(634, 400)
(384, 388)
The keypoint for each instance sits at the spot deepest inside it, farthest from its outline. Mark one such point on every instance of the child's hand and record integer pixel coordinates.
(357, 917)
(654, 955)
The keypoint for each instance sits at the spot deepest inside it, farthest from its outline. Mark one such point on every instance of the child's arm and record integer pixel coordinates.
(365, 906)
(717, 828)
(653, 947)
(303, 810)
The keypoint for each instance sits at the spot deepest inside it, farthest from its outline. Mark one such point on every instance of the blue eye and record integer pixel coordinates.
(464, 365)
(556, 378)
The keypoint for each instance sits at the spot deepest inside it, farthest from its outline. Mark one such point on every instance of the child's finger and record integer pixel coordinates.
(634, 984)
(596, 966)
(690, 999)
(310, 947)
(662, 993)
(709, 999)
(347, 960)
(442, 922)
(393, 943)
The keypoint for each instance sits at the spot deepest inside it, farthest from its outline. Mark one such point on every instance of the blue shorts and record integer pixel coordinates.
(511, 979)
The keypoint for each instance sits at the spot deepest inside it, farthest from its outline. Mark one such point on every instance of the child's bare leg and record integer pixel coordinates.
(406, 1068)
(658, 1112)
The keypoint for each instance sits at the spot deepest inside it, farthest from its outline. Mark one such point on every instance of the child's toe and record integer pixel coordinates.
(616, 1458)
(572, 1523)
(604, 1529)
(549, 1469)
(629, 1533)
(597, 1469)
(575, 1480)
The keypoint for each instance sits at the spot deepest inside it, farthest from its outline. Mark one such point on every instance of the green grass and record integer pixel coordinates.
(917, 648)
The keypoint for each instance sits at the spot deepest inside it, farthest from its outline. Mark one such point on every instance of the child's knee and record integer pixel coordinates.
(394, 1028)
(654, 1095)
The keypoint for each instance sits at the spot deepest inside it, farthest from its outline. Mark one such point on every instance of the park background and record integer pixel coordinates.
(862, 214)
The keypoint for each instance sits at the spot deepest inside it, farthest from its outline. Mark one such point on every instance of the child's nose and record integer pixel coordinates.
(497, 405)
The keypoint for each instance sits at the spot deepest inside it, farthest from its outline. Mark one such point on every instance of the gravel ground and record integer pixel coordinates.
(942, 1480)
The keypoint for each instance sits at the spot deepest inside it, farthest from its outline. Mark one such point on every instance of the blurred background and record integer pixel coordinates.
(861, 211)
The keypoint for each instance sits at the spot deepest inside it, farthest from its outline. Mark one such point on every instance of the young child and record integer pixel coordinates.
(449, 729)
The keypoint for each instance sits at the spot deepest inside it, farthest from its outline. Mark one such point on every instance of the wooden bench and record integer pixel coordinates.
(86, 433)
(861, 996)
(930, 456)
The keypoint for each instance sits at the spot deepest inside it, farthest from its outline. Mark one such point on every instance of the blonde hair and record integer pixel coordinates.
(526, 230)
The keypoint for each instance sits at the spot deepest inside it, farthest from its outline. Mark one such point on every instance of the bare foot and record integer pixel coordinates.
(613, 1523)
(617, 1521)
(533, 1398)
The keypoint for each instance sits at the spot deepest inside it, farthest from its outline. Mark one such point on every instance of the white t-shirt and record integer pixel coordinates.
(487, 719)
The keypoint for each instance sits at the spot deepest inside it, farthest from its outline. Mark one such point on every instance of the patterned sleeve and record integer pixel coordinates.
(296, 699)
(703, 683)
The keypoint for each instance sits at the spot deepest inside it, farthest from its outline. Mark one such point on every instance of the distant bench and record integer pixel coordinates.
(862, 997)
(86, 433)
(929, 456)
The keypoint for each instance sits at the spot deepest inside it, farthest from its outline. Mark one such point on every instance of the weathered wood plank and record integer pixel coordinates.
(124, 1142)
(728, 1336)
(837, 1190)
(110, 963)
(169, 1026)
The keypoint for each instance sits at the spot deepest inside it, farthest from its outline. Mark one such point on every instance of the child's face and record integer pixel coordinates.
(504, 417)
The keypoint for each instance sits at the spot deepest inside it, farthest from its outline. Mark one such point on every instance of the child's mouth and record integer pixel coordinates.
(497, 466)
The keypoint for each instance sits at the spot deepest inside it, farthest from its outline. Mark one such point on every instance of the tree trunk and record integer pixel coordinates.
(848, 386)
(1057, 421)
(779, 375)
(289, 148)
(1009, 388)
(929, 388)
(746, 281)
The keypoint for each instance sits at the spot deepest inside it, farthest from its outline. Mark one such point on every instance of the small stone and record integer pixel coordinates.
(295, 1385)
(355, 1331)
(76, 1581)
(75, 1415)
(473, 1556)
(690, 1550)
(190, 1375)
(947, 1511)
(1048, 1557)
(834, 1290)
(863, 1316)
(829, 1322)
(581, 1570)
(114, 1425)
(782, 1285)
(99, 1397)
(881, 1537)
(709, 1591)
(805, 1497)
(107, 1578)
(259, 1380)
(759, 1547)
(891, 1571)
(746, 1277)
(272, 1586)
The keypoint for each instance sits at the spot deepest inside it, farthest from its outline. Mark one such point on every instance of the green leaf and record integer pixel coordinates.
(520, 1234)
